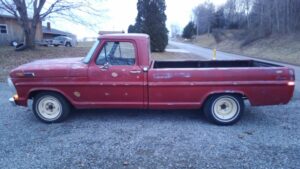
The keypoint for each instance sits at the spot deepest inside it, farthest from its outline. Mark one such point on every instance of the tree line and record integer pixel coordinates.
(259, 18)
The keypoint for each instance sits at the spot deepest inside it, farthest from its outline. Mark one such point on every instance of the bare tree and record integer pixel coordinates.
(30, 13)
(245, 8)
(276, 16)
(257, 18)
(204, 17)
(175, 30)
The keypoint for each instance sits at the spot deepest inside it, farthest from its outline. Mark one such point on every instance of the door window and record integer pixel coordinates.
(117, 53)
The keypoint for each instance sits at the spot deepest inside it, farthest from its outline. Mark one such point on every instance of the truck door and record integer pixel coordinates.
(119, 81)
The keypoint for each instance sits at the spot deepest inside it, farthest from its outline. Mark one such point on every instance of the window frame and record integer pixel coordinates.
(105, 41)
(91, 53)
(6, 28)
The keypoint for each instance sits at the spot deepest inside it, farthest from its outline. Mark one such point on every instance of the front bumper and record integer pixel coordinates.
(12, 101)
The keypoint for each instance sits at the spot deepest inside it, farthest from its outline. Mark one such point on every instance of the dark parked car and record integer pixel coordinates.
(62, 40)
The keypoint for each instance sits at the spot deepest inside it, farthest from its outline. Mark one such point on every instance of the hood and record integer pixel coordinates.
(63, 67)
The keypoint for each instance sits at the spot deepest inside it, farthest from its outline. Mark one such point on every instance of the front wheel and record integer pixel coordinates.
(224, 109)
(50, 107)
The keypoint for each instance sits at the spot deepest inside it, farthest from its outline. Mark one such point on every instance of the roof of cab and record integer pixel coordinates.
(124, 36)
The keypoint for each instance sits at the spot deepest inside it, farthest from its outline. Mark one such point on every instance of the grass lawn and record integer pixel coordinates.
(10, 59)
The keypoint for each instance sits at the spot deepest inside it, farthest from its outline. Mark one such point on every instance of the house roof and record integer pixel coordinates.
(9, 16)
(44, 28)
(55, 31)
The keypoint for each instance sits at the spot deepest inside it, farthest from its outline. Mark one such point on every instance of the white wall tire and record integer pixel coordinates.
(224, 109)
(50, 107)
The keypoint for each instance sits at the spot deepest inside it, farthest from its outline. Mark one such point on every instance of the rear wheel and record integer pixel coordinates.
(224, 109)
(50, 107)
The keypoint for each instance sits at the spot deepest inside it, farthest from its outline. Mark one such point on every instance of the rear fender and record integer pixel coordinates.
(231, 92)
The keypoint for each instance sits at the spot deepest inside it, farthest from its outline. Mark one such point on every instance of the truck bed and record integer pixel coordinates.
(211, 64)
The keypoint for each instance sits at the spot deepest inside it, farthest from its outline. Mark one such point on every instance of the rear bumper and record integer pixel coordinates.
(12, 101)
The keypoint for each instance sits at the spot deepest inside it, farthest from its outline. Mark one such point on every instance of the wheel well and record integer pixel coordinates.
(244, 97)
(34, 93)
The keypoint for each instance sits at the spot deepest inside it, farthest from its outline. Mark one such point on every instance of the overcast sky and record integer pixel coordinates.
(121, 13)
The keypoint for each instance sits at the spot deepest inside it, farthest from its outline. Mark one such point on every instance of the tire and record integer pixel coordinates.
(50, 107)
(224, 109)
(20, 47)
(56, 45)
(68, 44)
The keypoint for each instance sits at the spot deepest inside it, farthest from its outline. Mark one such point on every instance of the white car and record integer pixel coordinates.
(62, 40)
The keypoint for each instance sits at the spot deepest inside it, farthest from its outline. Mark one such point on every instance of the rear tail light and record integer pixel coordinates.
(291, 83)
(292, 77)
(292, 74)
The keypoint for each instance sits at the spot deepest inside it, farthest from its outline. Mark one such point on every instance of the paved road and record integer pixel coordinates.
(207, 53)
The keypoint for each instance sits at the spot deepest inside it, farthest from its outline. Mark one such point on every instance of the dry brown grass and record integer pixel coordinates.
(10, 59)
(278, 48)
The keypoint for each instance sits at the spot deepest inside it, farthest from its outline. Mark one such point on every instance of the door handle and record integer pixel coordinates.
(104, 67)
(135, 71)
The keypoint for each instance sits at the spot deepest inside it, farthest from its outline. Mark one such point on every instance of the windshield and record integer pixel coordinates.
(88, 57)
(58, 37)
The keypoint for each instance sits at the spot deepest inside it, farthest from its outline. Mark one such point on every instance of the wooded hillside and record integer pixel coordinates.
(259, 18)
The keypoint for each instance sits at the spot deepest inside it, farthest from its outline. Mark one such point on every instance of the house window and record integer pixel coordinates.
(3, 29)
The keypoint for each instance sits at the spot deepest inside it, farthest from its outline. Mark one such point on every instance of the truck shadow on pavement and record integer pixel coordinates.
(140, 114)
(253, 116)
(144, 115)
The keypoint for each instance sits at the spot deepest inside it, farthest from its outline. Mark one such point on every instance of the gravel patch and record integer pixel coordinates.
(266, 137)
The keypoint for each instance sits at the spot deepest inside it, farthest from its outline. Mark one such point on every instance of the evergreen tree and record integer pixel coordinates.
(151, 19)
(132, 29)
(189, 31)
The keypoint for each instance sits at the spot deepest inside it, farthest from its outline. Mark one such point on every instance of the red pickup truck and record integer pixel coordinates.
(118, 73)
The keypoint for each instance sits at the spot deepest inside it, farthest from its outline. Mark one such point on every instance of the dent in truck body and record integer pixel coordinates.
(86, 85)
